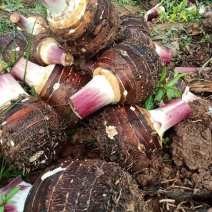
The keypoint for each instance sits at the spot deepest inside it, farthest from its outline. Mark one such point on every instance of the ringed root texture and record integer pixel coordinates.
(31, 134)
(90, 185)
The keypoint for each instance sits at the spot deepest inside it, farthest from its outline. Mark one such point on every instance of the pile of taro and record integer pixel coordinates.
(73, 117)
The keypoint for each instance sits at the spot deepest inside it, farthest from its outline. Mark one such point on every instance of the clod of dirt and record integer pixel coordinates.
(207, 23)
(192, 143)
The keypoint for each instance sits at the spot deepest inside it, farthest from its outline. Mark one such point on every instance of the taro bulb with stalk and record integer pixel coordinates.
(44, 50)
(124, 74)
(39, 47)
(31, 134)
(88, 185)
(134, 30)
(82, 27)
(131, 135)
(53, 83)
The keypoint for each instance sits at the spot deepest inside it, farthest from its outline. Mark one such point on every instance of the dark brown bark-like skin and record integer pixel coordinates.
(13, 46)
(62, 83)
(134, 30)
(90, 185)
(136, 68)
(31, 134)
(35, 53)
(96, 36)
(125, 135)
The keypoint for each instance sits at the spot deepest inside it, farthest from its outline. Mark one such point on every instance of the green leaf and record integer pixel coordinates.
(149, 103)
(3, 199)
(172, 92)
(33, 91)
(1, 208)
(10, 201)
(12, 192)
(163, 75)
(183, 15)
(159, 95)
(174, 80)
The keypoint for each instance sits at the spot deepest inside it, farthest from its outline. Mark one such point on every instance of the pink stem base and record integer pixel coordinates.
(165, 53)
(188, 70)
(93, 96)
(169, 115)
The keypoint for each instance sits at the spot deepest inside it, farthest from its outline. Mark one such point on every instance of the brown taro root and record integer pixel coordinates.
(83, 27)
(44, 50)
(53, 83)
(131, 135)
(12, 46)
(134, 30)
(31, 134)
(123, 74)
(89, 185)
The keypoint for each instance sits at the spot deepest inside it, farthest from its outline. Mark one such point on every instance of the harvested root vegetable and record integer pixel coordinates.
(12, 47)
(90, 185)
(83, 27)
(35, 24)
(44, 50)
(31, 135)
(54, 84)
(123, 74)
(134, 30)
(19, 198)
(131, 135)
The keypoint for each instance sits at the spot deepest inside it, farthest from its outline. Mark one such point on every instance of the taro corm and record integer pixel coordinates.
(131, 135)
(123, 74)
(31, 131)
(88, 185)
(53, 83)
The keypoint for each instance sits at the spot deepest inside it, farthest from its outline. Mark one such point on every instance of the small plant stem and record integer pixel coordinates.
(55, 7)
(188, 70)
(205, 64)
(32, 24)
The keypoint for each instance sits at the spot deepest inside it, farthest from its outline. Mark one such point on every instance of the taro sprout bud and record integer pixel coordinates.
(33, 24)
(153, 13)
